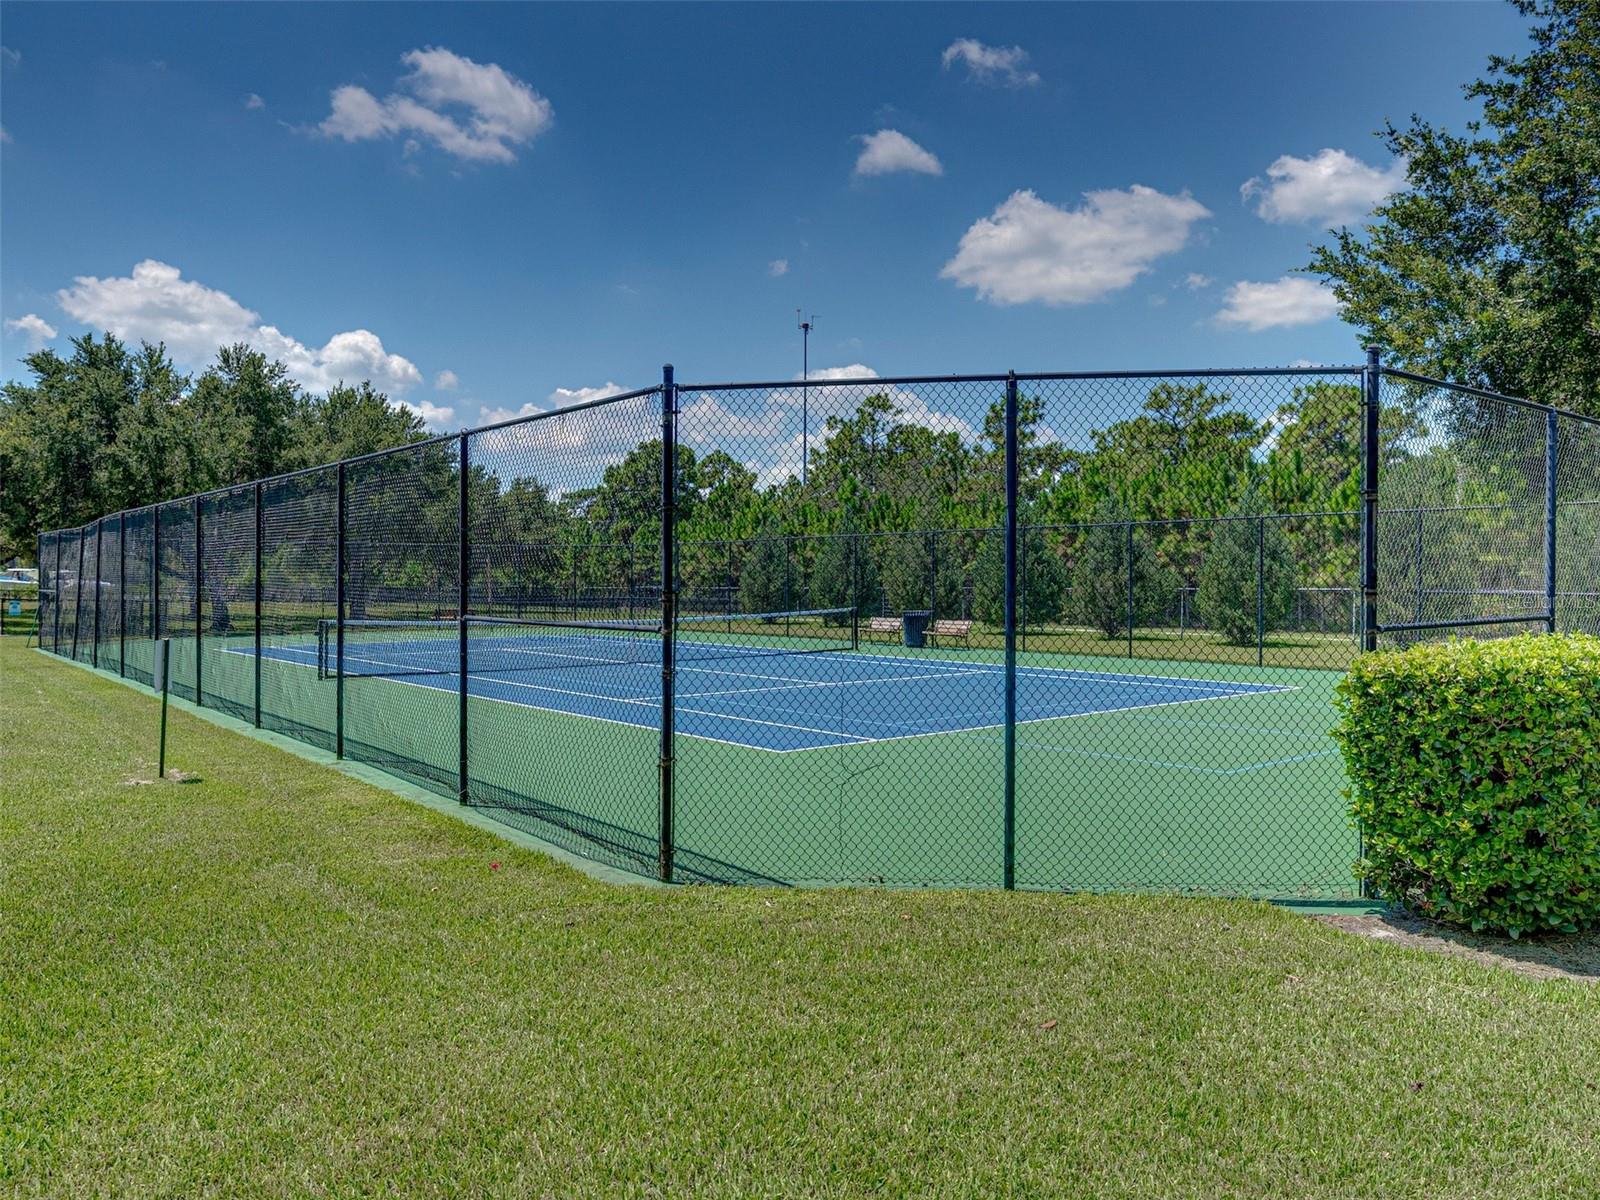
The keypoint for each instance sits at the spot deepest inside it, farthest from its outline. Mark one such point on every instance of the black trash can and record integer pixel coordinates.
(914, 627)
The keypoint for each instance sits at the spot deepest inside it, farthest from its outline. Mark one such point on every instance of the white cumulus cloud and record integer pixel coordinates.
(853, 371)
(1291, 300)
(446, 381)
(502, 111)
(559, 398)
(254, 101)
(435, 416)
(1329, 188)
(1195, 281)
(889, 150)
(778, 268)
(156, 304)
(1030, 250)
(1007, 65)
(35, 330)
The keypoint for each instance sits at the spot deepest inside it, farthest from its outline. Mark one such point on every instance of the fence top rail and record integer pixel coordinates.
(422, 444)
(582, 405)
(1466, 389)
(1021, 377)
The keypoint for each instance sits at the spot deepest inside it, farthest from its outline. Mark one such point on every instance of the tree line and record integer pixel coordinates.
(107, 427)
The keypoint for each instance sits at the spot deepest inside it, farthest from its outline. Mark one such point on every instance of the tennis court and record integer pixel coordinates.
(778, 697)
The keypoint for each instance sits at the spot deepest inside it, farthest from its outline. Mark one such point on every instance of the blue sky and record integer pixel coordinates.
(487, 208)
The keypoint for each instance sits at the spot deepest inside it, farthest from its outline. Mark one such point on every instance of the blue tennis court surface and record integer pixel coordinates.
(779, 702)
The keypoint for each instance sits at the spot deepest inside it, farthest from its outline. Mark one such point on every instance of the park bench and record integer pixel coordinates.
(951, 631)
(889, 626)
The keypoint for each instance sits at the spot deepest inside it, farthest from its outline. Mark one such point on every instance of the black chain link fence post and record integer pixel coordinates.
(669, 615)
(463, 601)
(77, 598)
(338, 614)
(56, 640)
(94, 647)
(122, 594)
(155, 574)
(199, 604)
(1370, 411)
(256, 605)
(1011, 486)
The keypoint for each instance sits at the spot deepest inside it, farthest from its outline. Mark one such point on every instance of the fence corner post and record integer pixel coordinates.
(669, 615)
(260, 533)
(338, 613)
(463, 574)
(1012, 475)
(1371, 407)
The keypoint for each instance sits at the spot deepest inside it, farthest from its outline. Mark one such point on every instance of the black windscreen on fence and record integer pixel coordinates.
(48, 583)
(68, 571)
(299, 556)
(227, 600)
(85, 644)
(138, 592)
(1075, 631)
(399, 571)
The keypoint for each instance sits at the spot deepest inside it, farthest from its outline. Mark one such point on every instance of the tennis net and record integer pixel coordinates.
(384, 648)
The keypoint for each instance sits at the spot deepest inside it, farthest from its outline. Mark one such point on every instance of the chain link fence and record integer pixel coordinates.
(1063, 631)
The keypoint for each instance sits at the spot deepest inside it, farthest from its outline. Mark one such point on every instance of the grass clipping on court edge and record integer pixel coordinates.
(278, 981)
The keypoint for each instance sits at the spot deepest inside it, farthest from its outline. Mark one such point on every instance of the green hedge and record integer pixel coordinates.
(1475, 773)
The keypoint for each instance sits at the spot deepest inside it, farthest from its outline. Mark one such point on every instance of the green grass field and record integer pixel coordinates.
(274, 979)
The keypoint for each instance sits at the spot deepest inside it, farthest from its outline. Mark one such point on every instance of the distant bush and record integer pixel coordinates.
(1475, 775)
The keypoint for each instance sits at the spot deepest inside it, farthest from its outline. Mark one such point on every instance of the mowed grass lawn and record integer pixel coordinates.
(280, 981)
